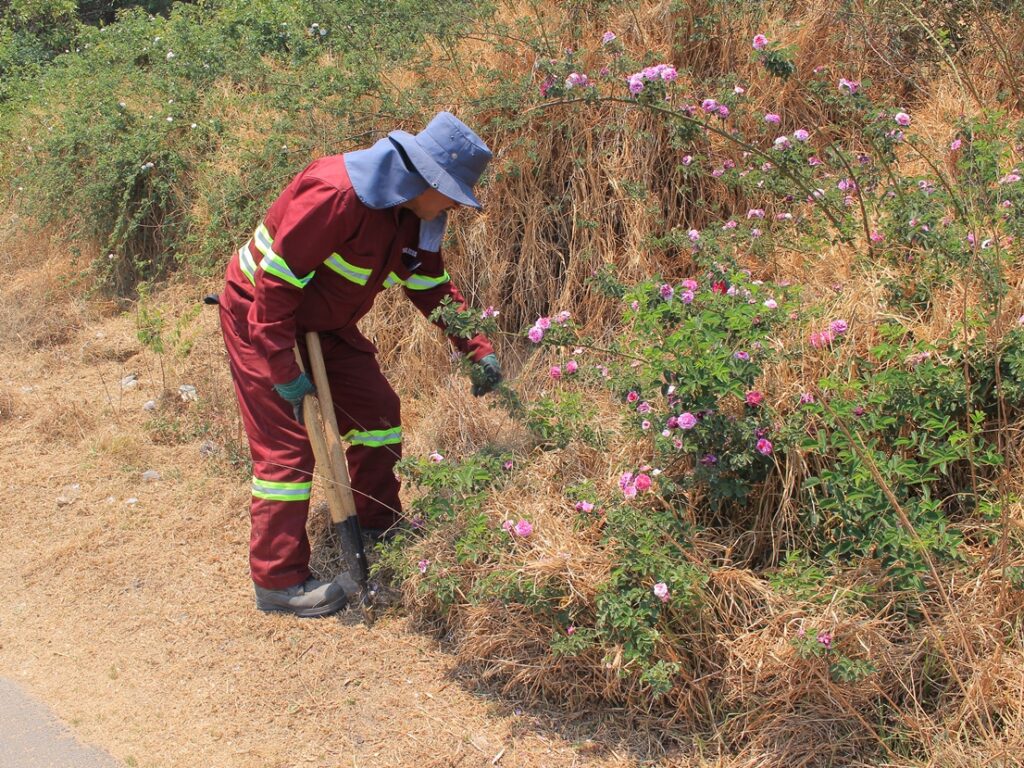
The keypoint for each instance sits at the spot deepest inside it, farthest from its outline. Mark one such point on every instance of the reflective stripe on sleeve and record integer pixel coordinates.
(358, 275)
(423, 283)
(247, 263)
(274, 491)
(375, 438)
(393, 279)
(273, 263)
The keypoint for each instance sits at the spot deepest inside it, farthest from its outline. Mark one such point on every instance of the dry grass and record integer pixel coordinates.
(164, 632)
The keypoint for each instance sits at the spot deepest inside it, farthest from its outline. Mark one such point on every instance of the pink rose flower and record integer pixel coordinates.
(661, 591)
(754, 398)
(571, 367)
(607, 37)
(436, 457)
(523, 528)
(686, 420)
(772, 118)
(423, 565)
(535, 334)
(642, 482)
(632, 397)
(902, 118)
(764, 447)
(555, 372)
(543, 323)
(760, 42)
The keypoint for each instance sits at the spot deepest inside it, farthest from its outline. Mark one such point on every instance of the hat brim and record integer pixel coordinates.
(434, 174)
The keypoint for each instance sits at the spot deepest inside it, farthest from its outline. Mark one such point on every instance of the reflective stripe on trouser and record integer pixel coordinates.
(282, 457)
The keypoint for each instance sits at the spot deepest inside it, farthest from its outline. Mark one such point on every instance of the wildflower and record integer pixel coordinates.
(719, 286)
(666, 291)
(755, 213)
(571, 367)
(806, 398)
(709, 105)
(661, 591)
(576, 80)
(1010, 178)
(902, 118)
(686, 297)
(755, 232)
(688, 284)
(170, 55)
(555, 372)
(632, 397)
(813, 161)
(490, 312)
(760, 42)
(508, 465)
(754, 398)
(607, 37)
(636, 85)
(849, 86)
(782, 143)
(543, 323)
(954, 145)
(423, 564)
(739, 90)
(584, 506)
(917, 358)
(741, 355)
(562, 317)
(730, 224)
(645, 425)
(784, 216)
(859, 410)
(523, 528)
(686, 420)
(687, 159)
(571, 630)
(764, 446)
(838, 327)
(723, 111)
(668, 74)
(644, 407)
(825, 638)
(876, 236)
(535, 334)
(772, 118)
(801, 135)
(436, 457)
(642, 482)
(709, 460)
(508, 525)
(820, 339)
(694, 235)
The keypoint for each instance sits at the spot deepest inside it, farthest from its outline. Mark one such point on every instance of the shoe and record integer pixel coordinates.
(307, 600)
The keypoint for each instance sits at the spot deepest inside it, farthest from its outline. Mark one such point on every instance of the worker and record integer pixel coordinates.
(346, 228)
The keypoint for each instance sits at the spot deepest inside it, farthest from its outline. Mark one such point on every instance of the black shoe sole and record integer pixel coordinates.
(306, 613)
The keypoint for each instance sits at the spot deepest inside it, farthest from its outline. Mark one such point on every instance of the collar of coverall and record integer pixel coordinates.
(381, 178)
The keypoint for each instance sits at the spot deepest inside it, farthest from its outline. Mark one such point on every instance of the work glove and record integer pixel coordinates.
(294, 391)
(486, 375)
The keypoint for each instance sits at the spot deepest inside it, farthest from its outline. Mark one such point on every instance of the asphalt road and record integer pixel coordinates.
(31, 737)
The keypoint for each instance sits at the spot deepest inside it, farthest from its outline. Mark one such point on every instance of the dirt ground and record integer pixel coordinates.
(127, 603)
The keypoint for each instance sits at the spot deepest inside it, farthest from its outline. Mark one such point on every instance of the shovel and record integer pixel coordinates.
(322, 426)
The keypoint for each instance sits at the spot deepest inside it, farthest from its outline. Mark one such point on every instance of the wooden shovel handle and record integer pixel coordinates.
(322, 426)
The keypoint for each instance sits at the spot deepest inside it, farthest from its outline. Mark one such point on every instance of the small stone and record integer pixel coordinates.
(187, 392)
(149, 405)
(131, 501)
(27, 389)
(63, 501)
(150, 475)
(130, 381)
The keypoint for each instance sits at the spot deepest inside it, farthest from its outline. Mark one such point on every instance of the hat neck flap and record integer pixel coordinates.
(381, 177)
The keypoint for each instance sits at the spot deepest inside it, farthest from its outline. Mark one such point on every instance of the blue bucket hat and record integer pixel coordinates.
(448, 155)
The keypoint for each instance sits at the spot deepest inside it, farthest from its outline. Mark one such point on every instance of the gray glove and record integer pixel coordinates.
(486, 375)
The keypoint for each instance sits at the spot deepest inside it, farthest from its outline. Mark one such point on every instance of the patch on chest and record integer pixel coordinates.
(411, 259)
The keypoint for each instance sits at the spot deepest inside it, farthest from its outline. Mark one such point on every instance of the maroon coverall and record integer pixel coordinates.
(316, 264)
